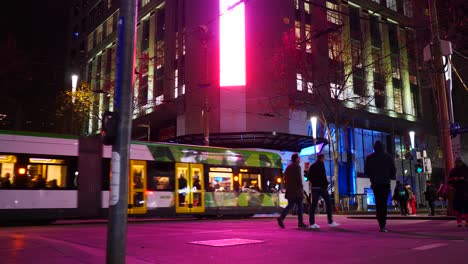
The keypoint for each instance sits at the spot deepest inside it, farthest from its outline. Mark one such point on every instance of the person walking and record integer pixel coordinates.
(458, 179)
(318, 179)
(294, 191)
(430, 196)
(380, 168)
(400, 194)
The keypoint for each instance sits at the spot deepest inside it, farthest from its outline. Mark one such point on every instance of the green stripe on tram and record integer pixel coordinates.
(213, 155)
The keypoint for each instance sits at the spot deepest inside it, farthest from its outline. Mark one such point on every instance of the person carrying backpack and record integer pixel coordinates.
(401, 195)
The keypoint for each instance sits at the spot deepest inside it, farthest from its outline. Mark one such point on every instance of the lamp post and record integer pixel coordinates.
(74, 79)
(411, 134)
(313, 122)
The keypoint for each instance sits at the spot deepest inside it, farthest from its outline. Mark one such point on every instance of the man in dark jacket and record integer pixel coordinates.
(294, 190)
(430, 195)
(380, 168)
(318, 179)
(401, 195)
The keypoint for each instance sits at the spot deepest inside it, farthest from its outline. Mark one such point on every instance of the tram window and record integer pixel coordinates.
(160, 176)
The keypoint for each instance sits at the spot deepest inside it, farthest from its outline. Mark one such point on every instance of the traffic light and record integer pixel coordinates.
(109, 127)
(419, 166)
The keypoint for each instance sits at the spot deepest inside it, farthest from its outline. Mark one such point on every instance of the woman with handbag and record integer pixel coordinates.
(458, 179)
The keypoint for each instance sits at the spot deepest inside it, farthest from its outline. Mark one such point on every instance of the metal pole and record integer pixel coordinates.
(118, 200)
(446, 141)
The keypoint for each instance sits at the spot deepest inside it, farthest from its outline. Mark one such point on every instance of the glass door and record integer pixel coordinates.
(189, 188)
(137, 187)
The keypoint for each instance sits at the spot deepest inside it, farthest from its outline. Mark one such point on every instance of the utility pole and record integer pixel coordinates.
(445, 139)
(118, 200)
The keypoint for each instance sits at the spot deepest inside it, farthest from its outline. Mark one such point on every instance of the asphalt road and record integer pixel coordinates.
(255, 240)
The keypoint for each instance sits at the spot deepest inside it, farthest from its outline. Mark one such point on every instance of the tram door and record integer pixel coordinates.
(137, 187)
(189, 188)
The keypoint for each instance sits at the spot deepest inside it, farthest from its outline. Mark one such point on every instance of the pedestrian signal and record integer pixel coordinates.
(419, 166)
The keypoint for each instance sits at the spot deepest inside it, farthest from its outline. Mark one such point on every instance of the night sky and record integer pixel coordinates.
(32, 70)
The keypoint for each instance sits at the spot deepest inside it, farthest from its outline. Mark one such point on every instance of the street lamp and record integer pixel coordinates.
(74, 78)
(313, 121)
(411, 134)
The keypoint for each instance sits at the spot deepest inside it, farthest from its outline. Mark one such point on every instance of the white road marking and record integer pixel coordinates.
(430, 246)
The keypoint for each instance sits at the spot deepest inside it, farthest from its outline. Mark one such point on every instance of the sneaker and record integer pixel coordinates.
(302, 225)
(384, 230)
(280, 222)
(333, 224)
(314, 226)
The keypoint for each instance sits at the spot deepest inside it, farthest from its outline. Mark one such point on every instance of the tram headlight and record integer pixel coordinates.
(236, 178)
(22, 171)
(278, 180)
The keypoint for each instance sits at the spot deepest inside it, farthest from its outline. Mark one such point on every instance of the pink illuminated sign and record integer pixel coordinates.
(232, 43)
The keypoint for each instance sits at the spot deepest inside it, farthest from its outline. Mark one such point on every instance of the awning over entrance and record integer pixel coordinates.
(266, 140)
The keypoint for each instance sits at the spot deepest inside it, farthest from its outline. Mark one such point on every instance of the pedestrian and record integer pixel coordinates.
(5, 181)
(400, 194)
(294, 191)
(430, 196)
(318, 180)
(458, 179)
(380, 168)
(411, 200)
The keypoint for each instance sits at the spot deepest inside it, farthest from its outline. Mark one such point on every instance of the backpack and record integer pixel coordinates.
(401, 192)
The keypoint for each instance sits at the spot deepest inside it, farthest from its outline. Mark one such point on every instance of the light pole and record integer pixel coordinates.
(313, 122)
(411, 134)
(74, 79)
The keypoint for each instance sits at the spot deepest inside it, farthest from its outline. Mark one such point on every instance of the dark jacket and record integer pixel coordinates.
(293, 181)
(317, 175)
(400, 193)
(380, 168)
(430, 193)
(458, 178)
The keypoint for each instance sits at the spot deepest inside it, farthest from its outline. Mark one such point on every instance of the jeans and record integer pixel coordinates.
(316, 193)
(403, 204)
(381, 193)
(431, 206)
(300, 209)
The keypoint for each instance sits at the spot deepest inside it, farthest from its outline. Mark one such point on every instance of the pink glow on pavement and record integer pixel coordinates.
(232, 43)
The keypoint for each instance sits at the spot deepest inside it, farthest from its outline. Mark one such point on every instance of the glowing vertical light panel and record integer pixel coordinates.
(232, 43)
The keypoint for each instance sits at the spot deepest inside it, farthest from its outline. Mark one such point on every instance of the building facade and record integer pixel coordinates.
(250, 74)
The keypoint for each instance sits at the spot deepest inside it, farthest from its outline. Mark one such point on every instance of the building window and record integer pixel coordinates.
(310, 87)
(397, 96)
(145, 35)
(376, 38)
(395, 61)
(297, 32)
(332, 15)
(392, 4)
(299, 81)
(336, 91)
(308, 39)
(335, 47)
(99, 35)
(393, 38)
(109, 26)
(90, 41)
(408, 8)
